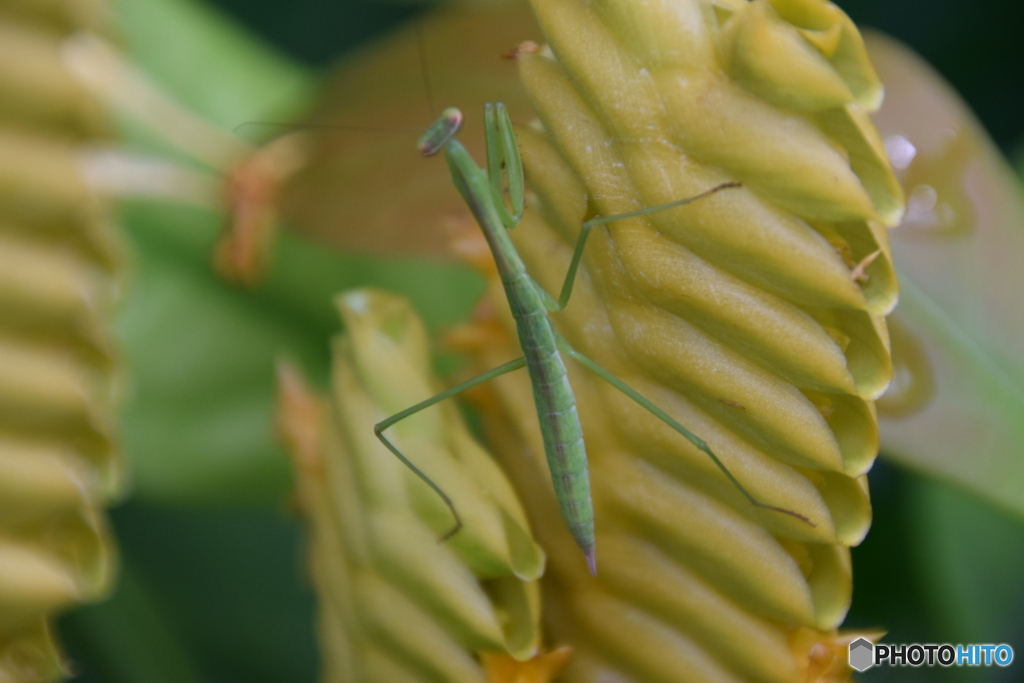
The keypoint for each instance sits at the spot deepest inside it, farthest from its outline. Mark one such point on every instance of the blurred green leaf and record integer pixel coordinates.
(939, 566)
(954, 535)
(956, 407)
(213, 594)
(129, 637)
(209, 63)
(198, 417)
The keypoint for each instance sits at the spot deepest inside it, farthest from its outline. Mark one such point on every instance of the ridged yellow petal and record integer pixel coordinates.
(60, 262)
(754, 317)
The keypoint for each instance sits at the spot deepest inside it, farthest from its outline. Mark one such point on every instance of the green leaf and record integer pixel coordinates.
(956, 407)
(209, 63)
(970, 558)
(130, 637)
(198, 414)
(198, 421)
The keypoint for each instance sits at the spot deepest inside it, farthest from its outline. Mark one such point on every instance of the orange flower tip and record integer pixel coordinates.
(472, 337)
(542, 668)
(825, 654)
(250, 192)
(298, 415)
(485, 312)
(858, 274)
(467, 242)
(242, 253)
(238, 258)
(527, 47)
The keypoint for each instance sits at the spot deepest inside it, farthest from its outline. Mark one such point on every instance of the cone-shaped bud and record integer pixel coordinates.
(59, 270)
(397, 603)
(752, 316)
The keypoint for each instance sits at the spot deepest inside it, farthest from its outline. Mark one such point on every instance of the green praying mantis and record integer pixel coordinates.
(542, 346)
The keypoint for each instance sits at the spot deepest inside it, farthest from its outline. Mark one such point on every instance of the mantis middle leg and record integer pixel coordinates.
(570, 277)
(379, 428)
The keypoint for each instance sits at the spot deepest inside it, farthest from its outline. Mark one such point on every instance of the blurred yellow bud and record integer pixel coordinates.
(60, 261)
(396, 603)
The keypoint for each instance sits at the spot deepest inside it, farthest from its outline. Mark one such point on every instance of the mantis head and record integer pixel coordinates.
(440, 132)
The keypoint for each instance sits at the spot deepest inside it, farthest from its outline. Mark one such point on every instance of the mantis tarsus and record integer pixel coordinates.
(542, 346)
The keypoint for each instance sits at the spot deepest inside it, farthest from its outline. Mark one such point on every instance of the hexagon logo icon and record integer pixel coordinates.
(862, 654)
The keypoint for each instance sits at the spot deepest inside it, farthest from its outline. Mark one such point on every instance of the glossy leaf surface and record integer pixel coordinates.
(956, 407)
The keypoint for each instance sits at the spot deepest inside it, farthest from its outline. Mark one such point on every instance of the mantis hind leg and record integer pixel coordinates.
(632, 393)
(570, 277)
(379, 428)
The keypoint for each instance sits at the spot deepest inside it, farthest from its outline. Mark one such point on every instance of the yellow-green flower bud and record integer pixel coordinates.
(753, 316)
(40, 91)
(395, 603)
(59, 266)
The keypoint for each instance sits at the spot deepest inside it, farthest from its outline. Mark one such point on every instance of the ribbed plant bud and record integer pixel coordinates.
(753, 316)
(59, 266)
(395, 603)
